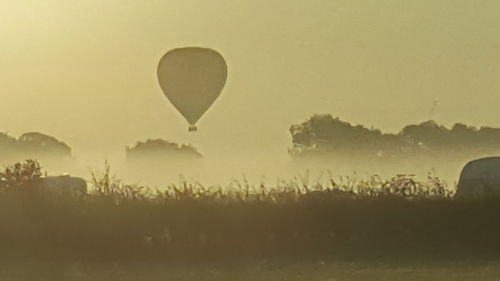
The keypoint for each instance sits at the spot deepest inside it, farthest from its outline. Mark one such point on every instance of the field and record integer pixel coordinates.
(345, 229)
(311, 270)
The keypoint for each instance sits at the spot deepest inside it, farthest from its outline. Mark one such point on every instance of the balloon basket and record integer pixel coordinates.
(192, 128)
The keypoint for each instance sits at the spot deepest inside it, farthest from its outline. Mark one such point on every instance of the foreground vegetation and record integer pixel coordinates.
(263, 270)
(189, 222)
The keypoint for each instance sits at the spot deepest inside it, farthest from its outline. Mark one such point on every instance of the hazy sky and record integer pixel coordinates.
(85, 71)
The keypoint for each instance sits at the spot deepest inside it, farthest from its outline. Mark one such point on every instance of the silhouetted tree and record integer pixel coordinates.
(32, 146)
(161, 150)
(323, 135)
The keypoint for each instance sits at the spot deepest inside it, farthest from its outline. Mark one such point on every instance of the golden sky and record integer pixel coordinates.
(85, 70)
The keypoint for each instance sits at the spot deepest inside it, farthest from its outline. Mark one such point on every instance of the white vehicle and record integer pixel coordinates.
(480, 178)
(63, 186)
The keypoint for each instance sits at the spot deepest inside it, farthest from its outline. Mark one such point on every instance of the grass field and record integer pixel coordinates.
(263, 270)
(400, 228)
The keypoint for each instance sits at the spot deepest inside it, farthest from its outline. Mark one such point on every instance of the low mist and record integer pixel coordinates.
(321, 148)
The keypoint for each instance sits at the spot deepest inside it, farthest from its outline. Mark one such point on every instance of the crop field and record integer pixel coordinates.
(341, 227)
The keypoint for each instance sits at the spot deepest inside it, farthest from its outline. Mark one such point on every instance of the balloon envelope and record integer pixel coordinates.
(192, 79)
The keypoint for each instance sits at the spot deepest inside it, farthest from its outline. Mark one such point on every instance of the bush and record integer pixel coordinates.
(20, 174)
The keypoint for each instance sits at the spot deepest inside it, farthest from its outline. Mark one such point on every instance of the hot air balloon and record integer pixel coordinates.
(192, 78)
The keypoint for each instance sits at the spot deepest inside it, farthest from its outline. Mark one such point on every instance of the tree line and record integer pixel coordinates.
(321, 136)
(328, 136)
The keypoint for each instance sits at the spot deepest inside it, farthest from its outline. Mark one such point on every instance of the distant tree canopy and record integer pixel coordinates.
(328, 136)
(161, 150)
(32, 146)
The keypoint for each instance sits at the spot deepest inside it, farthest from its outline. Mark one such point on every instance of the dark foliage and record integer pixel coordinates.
(325, 135)
(160, 150)
(32, 146)
(192, 223)
(20, 175)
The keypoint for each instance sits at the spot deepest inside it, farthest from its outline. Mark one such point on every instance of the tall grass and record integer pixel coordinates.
(345, 217)
(402, 185)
